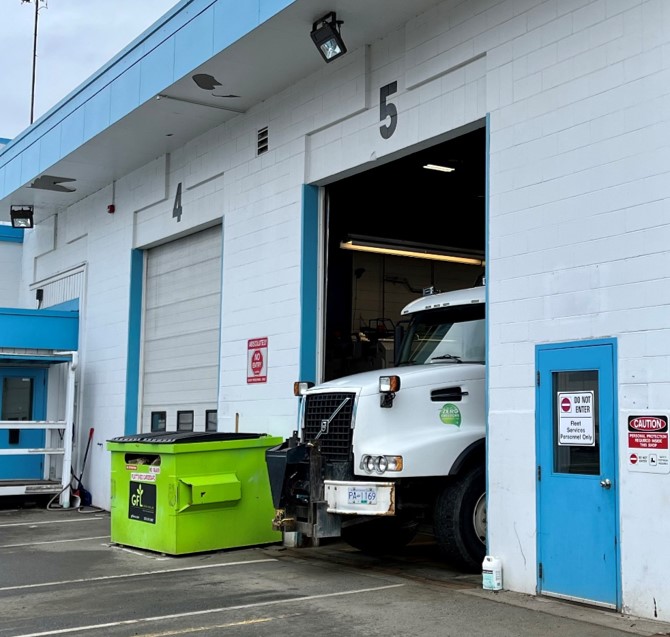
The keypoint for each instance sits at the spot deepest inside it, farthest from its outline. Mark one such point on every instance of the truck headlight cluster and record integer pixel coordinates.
(381, 464)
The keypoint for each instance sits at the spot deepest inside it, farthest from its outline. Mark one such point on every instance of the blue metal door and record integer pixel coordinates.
(22, 397)
(576, 473)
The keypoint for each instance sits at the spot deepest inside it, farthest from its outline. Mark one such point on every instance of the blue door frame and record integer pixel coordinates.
(577, 481)
(23, 466)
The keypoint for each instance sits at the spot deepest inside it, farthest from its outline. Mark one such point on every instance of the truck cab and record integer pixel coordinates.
(380, 452)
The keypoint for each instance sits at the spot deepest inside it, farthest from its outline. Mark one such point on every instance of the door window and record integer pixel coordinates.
(576, 422)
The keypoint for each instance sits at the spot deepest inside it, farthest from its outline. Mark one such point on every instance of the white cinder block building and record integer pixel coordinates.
(191, 197)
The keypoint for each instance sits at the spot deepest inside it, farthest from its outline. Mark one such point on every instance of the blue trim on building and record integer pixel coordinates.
(10, 234)
(39, 329)
(66, 306)
(134, 340)
(308, 282)
(151, 63)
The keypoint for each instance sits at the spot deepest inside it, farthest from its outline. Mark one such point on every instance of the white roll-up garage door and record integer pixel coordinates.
(182, 310)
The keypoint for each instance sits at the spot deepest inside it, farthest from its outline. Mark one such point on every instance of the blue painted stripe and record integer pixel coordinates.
(134, 334)
(10, 234)
(308, 282)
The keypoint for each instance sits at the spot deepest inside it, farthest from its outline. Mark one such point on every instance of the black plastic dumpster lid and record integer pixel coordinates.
(171, 437)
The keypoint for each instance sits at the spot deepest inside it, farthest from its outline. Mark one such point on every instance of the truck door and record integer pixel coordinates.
(22, 398)
(576, 472)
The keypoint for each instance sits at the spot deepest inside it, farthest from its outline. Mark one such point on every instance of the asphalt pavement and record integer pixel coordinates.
(61, 575)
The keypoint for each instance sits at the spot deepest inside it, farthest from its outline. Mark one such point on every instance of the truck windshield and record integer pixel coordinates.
(445, 336)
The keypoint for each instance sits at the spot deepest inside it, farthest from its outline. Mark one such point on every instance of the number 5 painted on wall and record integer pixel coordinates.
(387, 110)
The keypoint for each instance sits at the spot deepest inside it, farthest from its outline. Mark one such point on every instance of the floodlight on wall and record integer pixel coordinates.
(326, 36)
(414, 250)
(21, 216)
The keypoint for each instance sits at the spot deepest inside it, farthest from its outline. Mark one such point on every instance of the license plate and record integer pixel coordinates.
(362, 496)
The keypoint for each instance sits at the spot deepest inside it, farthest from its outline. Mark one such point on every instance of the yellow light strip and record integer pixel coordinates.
(416, 254)
(444, 169)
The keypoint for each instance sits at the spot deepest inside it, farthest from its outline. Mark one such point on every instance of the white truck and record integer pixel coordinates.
(379, 453)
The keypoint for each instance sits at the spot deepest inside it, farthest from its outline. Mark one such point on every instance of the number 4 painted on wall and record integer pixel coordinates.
(176, 208)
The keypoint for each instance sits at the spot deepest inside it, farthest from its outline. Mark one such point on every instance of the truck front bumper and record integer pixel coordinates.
(360, 498)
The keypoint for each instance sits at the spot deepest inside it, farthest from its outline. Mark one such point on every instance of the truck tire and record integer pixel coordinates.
(381, 535)
(460, 520)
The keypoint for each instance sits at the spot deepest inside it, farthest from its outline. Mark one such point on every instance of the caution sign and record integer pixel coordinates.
(257, 360)
(576, 419)
(648, 443)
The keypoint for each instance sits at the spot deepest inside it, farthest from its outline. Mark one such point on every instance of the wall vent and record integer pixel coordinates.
(263, 143)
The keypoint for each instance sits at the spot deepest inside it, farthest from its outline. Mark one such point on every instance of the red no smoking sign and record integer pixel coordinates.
(257, 360)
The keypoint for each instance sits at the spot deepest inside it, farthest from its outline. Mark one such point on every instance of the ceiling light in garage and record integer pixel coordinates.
(444, 169)
(326, 36)
(415, 250)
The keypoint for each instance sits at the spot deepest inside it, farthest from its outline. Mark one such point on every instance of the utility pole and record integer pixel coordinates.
(32, 91)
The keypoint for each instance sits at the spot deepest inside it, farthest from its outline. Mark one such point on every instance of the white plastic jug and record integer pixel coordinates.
(492, 573)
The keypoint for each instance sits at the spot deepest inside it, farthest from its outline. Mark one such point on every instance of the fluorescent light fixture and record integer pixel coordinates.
(326, 36)
(414, 250)
(444, 169)
(21, 216)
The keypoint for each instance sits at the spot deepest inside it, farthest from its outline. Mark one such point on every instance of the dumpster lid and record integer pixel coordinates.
(172, 437)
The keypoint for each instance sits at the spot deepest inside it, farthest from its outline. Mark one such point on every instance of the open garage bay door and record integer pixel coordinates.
(181, 334)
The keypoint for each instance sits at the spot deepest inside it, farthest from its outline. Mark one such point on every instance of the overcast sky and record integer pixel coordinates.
(74, 39)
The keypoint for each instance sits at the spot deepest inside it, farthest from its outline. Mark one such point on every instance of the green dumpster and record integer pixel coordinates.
(186, 492)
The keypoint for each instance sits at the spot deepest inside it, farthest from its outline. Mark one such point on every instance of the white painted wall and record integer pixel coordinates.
(10, 266)
(577, 94)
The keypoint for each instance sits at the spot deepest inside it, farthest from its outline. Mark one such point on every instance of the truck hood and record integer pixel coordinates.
(367, 383)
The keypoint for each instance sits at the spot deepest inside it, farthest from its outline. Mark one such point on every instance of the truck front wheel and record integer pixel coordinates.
(381, 535)
(460, 520)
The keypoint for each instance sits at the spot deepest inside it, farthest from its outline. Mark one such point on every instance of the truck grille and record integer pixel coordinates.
(336, 441)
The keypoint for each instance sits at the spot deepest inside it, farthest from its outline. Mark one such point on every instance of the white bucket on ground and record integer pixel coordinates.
(492, 573)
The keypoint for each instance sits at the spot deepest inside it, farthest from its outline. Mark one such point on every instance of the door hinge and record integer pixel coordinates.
(540, 572)
(539, 472)
(537, 376)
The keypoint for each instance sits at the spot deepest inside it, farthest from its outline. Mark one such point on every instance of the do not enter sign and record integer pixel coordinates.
(257, 360)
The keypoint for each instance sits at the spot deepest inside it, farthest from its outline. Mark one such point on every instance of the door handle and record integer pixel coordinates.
(606, 483)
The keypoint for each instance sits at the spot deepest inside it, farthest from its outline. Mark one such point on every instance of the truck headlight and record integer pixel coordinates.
(381, 464)
(388, 384)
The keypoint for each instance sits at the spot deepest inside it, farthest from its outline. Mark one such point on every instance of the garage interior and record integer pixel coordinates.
(399, 204)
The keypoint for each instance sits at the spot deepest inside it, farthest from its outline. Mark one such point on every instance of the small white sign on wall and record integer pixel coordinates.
(575, 419)
(648, 443)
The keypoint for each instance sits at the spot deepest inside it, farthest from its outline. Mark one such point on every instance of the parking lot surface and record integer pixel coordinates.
(60, 574)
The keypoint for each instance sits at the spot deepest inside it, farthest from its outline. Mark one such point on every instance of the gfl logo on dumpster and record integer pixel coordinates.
(136, 499)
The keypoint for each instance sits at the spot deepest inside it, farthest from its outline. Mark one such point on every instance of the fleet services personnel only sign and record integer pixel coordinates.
(648, 443)
(575, 419)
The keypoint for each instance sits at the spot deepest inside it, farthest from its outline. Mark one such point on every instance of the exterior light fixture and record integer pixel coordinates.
(21, 216)
(326, 36)
(415, 250)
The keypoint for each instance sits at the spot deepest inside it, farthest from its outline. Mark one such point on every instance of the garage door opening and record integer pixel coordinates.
(431, 201)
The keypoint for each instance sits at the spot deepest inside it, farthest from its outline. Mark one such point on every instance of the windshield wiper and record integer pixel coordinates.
(447, 357)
